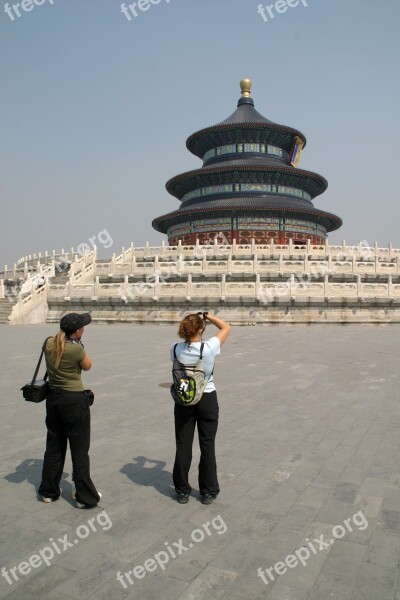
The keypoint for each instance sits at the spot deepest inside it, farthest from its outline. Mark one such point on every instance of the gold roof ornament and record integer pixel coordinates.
(297, 150)
(245, 86)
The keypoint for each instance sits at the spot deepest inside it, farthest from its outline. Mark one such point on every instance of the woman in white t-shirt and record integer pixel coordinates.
(204, 413)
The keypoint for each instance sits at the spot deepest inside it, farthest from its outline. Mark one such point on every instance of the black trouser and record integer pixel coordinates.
(205, 414)
(68, 418)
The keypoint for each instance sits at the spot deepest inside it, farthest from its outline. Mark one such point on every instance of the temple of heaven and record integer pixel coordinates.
(249, 187)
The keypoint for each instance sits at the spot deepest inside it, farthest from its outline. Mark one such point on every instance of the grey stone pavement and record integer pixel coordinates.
(309, 436)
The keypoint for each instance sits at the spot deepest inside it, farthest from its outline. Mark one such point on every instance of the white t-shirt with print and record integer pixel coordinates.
(189, 354)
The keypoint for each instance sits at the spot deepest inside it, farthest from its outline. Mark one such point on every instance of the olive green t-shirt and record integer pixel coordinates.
(68, 375)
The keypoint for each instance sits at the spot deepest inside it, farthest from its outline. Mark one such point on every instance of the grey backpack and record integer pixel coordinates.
(189, 381)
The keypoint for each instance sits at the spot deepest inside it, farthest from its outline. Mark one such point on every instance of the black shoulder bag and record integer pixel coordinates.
(37, 390)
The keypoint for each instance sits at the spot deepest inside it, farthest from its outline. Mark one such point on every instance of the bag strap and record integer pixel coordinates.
(201, 350)
(39, 363)
(201, 356)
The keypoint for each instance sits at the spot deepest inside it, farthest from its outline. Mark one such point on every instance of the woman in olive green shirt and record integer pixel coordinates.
(68, 413)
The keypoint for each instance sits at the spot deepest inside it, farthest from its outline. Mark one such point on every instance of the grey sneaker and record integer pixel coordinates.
(208, 498)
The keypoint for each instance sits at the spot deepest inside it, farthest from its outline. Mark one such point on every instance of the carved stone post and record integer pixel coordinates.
(223, 287)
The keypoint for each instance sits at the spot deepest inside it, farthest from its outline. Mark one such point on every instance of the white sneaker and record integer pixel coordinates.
(47, 500)
(80, 504)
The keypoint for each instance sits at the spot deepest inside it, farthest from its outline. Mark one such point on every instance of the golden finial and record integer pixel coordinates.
(245, 86)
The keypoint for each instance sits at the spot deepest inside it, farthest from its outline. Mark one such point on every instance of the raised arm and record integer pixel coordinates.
(224, 328)
(86, 363)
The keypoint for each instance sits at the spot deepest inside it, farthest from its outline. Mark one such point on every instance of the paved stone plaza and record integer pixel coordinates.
(309, 437)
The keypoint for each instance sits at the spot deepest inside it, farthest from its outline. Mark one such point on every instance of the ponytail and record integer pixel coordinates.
(56, 346)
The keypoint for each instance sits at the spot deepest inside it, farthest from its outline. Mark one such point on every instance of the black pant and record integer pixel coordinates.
(68, 418)
(205, 414)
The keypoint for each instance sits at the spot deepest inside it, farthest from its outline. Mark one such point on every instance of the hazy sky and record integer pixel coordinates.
(96, 109)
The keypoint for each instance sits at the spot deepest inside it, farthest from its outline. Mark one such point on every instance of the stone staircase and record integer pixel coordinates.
(61, 277)
(12, 289)
(5, 310)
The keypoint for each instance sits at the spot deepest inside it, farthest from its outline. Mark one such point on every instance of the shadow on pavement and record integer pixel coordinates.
(155, 476)
(30, 470)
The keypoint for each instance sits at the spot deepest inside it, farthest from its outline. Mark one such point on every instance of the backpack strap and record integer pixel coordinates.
(201, 356)
(201, 350)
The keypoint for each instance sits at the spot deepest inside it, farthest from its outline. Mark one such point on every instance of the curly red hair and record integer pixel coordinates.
(190, 326)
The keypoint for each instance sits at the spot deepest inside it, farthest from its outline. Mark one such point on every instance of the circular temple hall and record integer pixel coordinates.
(249, 187)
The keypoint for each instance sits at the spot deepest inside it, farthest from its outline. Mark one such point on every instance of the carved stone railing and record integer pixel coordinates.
(207, 266)
(257, 290)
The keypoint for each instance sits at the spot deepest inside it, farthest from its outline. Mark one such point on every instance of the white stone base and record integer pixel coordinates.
(237, 313)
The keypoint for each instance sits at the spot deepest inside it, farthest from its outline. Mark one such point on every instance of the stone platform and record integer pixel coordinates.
(309, 436)
(243, 284)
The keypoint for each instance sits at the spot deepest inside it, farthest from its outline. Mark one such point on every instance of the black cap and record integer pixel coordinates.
(74, 321)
